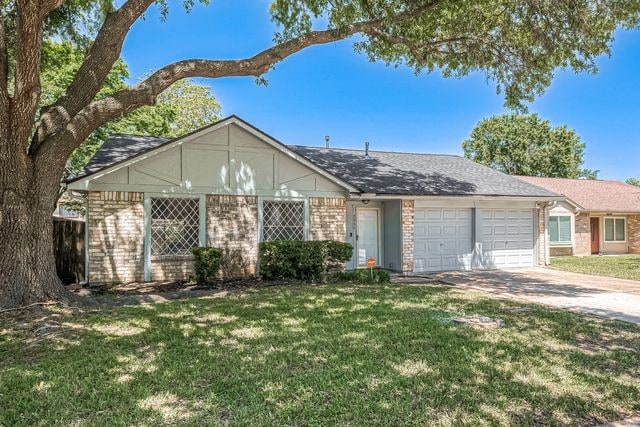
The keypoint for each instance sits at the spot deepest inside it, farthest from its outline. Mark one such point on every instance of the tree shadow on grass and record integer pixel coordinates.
(322, 355)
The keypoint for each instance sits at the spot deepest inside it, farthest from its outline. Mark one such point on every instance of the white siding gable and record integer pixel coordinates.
(225, 160)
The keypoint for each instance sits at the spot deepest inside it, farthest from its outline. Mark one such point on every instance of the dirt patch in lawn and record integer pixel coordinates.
(154, 292)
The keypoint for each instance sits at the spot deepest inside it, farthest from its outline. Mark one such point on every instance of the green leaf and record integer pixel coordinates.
(525, 145)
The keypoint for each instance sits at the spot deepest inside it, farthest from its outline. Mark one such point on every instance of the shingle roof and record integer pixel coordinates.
(382, 173)
(593, 195)
(417, 174)
(120, 147)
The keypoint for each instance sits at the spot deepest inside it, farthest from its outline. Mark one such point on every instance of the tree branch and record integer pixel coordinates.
(48, 6)
(30, 24)
(102, 111)
(88, 81)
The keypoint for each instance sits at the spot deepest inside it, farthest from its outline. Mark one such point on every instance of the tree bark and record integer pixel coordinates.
(27, 198)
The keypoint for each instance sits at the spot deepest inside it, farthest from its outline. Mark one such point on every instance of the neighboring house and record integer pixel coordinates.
(65, 207)
(598, 217)
(150, 200)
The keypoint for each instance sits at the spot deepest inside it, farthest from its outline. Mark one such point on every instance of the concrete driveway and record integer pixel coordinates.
(603, 296)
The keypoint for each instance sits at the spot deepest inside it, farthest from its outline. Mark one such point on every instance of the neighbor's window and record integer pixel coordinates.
(614, 230)
(282, 220)
(560, 229)
(175, 225)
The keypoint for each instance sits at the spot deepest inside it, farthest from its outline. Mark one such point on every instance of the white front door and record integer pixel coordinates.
(368, 235)
(442, 239)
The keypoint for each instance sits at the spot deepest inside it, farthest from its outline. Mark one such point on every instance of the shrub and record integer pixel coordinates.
(336, 254)
(302, 260)
(364, 276)
(206, 263)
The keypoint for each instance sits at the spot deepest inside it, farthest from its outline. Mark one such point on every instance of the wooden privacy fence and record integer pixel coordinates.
(68, 247)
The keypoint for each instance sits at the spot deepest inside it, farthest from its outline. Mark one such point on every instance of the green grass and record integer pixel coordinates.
(621, 266)
(319, 355)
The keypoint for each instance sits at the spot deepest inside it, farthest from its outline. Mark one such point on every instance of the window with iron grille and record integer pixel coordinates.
(175, 225)
(282, 220)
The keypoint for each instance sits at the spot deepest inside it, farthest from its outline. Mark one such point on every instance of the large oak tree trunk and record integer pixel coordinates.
(27, 199)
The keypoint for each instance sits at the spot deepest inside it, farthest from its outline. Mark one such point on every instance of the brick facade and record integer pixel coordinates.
(115, 227)
(542, 236)
(560, 251)
(633, 233)
(582, 235)
(171, 267)
(407, 235)
(327, 218)
(232, 223)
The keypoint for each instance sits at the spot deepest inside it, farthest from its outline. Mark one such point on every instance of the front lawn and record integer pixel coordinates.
(621, 266)
(318, 355)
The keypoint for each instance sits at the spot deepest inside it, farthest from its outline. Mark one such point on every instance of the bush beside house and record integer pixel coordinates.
(302, 260)
(283, 259)
(206, 263)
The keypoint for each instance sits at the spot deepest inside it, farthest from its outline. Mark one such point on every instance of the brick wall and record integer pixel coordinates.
(561, 251)
(171, 267)
(582, 235)
(407, 235)
(232, 223)
(327, 218)
(542, 236)
(633, 233)
(116, 234)
(115, 226)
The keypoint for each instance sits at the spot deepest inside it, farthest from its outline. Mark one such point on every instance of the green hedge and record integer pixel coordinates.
(206, 263)
(302, 260)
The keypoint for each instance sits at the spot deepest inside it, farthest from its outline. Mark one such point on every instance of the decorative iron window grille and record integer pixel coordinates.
(282, 220)
(175, 225)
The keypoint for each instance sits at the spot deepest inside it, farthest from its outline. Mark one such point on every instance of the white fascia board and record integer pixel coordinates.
(446, 198)
(358, 196)
(576, 206)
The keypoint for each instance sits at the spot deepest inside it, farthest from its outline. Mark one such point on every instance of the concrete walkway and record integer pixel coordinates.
(603, 296)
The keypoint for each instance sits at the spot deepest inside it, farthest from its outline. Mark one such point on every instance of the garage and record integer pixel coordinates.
(505, 238)
(442, 239)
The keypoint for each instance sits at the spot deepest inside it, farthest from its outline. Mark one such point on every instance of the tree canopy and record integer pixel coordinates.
(525, 145)
(516, 44)
(589, 173)
(633, 181)
(182, 108)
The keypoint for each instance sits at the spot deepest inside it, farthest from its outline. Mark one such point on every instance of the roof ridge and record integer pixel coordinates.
(137, 134)
(376, 151)
(574, 179)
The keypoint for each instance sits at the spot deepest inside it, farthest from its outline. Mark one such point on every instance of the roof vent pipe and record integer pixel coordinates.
(326, 140)
(366, 150)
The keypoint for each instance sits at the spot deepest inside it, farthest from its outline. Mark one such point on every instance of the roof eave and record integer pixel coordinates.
(456, 196)
(611, 211)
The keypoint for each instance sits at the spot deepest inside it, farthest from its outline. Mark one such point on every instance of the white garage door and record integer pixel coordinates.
(505, 238)
(442, 239)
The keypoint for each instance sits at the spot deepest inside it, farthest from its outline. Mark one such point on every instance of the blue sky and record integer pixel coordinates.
(331, 90)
